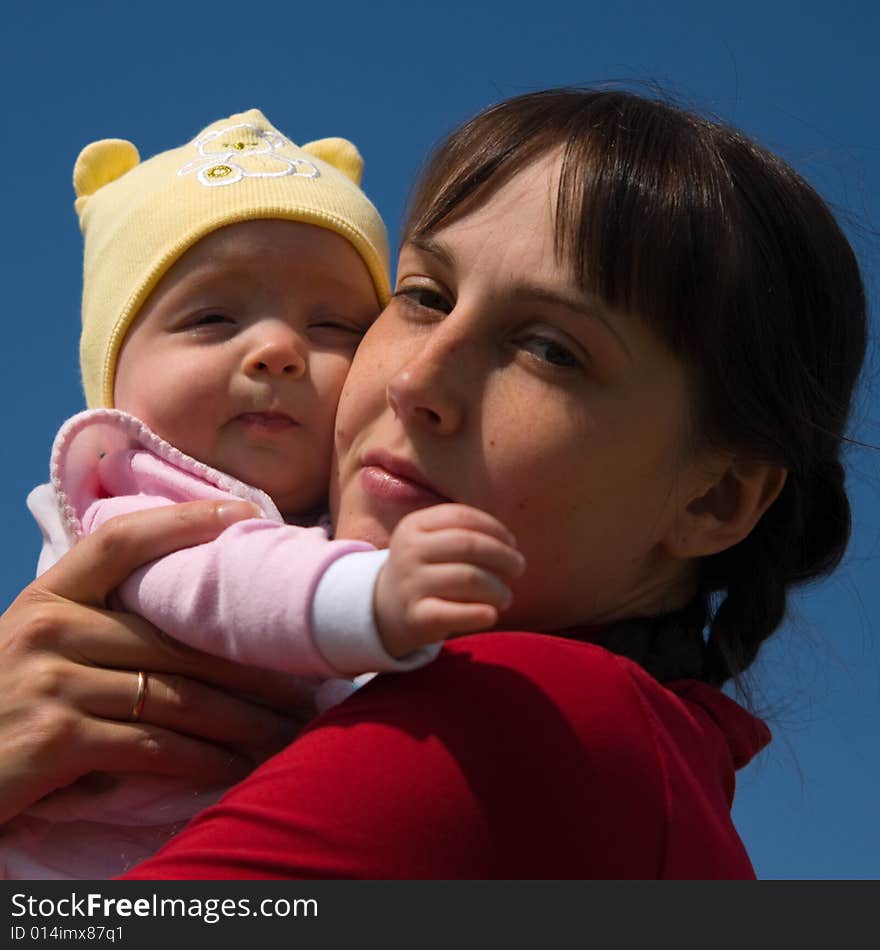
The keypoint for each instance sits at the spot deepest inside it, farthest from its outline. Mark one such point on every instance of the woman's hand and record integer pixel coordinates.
(69, 674)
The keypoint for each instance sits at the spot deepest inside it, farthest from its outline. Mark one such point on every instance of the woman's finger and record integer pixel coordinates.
(53, 746)
(142, 747)
(43, 627)
(99, 563)
(62, 664)
(182, 705)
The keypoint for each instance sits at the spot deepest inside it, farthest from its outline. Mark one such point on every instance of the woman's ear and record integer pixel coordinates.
(723, 512)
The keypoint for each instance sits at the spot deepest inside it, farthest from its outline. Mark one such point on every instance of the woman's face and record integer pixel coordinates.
(492, 381)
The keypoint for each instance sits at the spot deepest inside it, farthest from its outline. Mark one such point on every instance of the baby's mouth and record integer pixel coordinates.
(267, 421)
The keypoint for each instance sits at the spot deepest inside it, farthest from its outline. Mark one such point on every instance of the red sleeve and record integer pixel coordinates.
(511, 756)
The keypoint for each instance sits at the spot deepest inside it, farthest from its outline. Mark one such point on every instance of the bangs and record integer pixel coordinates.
(642, 220)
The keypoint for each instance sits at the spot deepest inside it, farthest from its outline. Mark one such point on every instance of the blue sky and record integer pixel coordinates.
(799, 76)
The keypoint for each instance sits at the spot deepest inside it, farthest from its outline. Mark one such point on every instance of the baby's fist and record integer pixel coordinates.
(447, 573)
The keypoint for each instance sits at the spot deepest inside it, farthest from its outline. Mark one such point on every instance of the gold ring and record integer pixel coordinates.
(140, 698)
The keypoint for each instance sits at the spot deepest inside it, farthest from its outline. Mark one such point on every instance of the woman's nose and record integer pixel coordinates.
(276, 351)
(428, 389)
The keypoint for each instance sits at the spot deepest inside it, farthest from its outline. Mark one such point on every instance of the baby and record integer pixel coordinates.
(227, 284)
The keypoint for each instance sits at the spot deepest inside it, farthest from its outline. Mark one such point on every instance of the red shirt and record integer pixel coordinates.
(512, 756)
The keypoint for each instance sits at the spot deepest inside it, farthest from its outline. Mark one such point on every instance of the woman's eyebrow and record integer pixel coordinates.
(424, 242)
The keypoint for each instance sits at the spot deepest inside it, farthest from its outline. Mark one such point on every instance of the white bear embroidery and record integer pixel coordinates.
(218, 165)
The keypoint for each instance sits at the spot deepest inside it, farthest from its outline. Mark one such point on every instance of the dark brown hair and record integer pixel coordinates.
(742, 270)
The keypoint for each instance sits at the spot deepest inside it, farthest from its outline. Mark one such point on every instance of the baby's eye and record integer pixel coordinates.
(342, 326)
(551, 351)
(338, 332)
(425, 298)
(210, 319)
(210, 325)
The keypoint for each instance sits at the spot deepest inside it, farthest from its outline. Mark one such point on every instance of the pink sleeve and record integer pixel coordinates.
(246, 596)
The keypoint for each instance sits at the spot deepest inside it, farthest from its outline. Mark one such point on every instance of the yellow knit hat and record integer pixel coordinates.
(139, 218)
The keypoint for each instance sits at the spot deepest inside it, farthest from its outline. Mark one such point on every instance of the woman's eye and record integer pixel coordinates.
(551, 351)
(425, 298)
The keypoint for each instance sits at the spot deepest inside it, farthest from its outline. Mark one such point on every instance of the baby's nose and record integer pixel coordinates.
(280, 353)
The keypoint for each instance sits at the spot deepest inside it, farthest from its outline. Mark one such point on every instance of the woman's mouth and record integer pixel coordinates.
(388, 478)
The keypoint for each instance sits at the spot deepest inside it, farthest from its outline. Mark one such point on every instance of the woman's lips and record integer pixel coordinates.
(389, 478)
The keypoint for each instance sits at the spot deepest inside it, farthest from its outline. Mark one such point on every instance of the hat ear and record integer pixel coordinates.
(100, 163)
(340, 153)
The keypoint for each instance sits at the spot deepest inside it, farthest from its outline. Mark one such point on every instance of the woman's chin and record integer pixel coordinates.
(363, 527)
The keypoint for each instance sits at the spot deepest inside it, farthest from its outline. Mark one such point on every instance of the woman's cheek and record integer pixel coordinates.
(348, 423)
(367, 379)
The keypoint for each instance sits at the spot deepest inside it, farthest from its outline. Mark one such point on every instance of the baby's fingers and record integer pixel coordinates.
(463, 546)
(437, 618)
(456, 516)
(466, 584)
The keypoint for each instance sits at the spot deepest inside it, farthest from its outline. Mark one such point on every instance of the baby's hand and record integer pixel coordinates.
(446, 573)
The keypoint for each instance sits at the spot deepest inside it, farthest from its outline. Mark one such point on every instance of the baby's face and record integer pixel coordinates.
(239, 355)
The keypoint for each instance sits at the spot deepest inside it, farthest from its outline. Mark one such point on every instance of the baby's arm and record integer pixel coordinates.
(250, 595)
(246, 596)
(447, 573)
(282, 597)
